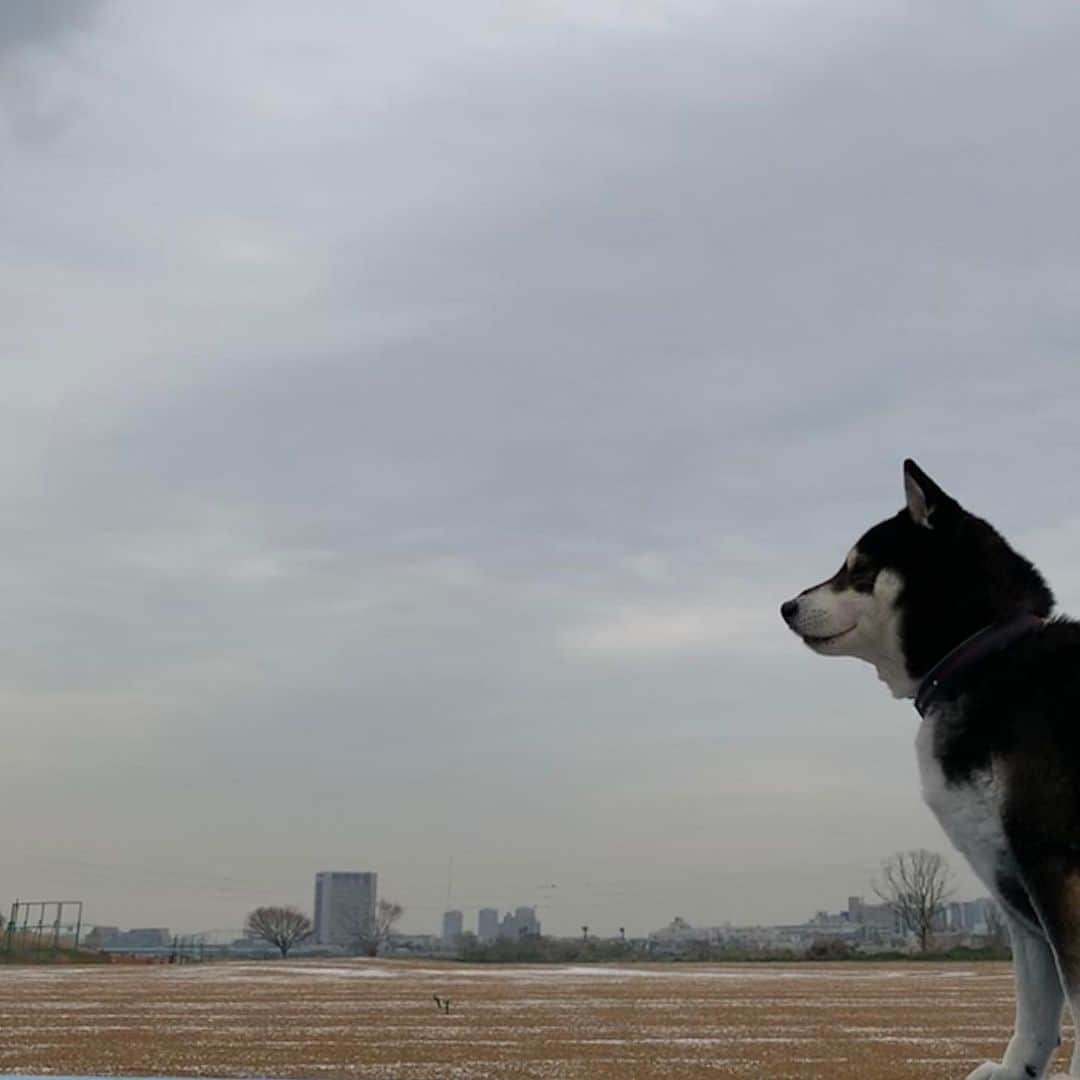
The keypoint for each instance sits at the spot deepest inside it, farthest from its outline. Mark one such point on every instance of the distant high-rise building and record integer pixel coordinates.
(523, 923)
(344, 907)
(453, 923)
(527, 921)
(970, 915)
(487, 924)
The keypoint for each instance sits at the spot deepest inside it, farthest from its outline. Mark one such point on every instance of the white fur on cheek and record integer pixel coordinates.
(882, 643)
(868, 622)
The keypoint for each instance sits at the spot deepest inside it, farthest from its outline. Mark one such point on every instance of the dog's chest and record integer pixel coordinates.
(970, 811)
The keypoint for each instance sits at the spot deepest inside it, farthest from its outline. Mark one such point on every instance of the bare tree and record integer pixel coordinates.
(281, 927)
(372, 937)
(915, 884)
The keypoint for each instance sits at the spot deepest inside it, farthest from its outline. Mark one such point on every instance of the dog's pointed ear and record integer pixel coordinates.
(924, 497)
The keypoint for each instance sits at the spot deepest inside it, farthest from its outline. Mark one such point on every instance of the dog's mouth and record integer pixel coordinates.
(814, 641)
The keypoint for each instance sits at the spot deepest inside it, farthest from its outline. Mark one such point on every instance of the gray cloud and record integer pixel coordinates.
(26, 24)
(41, 73)
(418, 419)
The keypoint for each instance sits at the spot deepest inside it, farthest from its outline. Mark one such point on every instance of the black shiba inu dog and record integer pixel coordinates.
(952, 617)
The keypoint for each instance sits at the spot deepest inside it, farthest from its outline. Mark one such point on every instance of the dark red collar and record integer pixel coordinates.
(983, 643)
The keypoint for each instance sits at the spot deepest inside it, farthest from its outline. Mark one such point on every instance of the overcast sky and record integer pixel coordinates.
(414, 413)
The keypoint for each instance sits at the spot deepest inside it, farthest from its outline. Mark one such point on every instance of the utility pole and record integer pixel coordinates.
(11, 926)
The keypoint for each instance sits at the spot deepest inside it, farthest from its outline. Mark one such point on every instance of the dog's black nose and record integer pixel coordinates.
(789, 608)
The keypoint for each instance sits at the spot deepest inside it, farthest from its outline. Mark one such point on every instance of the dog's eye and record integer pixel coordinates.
(863, 577)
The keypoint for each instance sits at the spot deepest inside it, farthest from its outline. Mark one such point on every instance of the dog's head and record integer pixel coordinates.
(916, 585)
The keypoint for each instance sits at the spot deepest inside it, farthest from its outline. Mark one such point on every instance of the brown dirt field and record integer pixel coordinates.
(377, 1019)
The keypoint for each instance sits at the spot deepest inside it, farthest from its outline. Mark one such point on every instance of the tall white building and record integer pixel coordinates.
(453, 923)
(344, 907)
(487, 924)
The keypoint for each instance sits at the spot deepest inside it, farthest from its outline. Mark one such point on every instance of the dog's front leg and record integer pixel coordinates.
(1039, 999)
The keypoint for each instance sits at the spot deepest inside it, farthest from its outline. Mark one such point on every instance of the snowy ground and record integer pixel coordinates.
(378, 1020)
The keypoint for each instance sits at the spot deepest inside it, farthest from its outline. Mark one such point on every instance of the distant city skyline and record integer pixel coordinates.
(488, 926)
(343, 900)
(868, 925)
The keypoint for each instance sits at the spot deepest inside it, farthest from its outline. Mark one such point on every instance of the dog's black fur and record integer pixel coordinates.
(960, 557)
